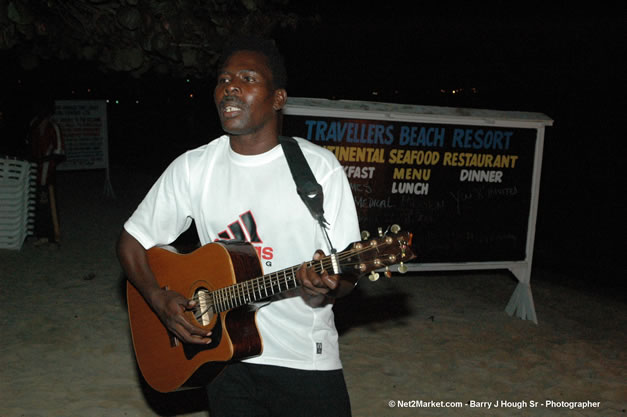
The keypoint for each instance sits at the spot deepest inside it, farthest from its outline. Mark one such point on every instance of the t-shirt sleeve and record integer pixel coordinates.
(165, 212)
(339, 209)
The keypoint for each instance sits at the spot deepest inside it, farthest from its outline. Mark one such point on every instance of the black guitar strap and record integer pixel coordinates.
(306, 185)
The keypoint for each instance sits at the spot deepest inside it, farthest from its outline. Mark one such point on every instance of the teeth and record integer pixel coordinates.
(231, 108)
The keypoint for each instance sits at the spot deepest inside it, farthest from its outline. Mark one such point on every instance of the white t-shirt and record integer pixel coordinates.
(254, 198)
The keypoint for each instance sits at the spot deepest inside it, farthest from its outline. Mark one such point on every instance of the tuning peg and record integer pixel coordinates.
(395, 228)
(365, 235)
(380, 231)
(373, 276)
(402, 268)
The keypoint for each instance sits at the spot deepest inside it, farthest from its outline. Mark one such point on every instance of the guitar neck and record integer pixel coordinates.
(359, 258)
(266, 286)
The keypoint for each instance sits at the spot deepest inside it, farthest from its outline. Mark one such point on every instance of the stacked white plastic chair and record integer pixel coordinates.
(17, 202)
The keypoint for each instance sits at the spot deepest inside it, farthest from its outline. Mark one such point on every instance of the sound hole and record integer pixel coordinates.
(204, 310)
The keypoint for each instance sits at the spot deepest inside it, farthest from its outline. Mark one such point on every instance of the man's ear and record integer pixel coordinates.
(280, 98)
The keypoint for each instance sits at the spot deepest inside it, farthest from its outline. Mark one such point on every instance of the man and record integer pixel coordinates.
(240, 186)
(47, 150)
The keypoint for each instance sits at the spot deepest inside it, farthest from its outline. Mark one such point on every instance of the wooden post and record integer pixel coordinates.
(53, 211)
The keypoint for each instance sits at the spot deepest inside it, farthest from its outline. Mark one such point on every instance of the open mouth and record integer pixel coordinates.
(231, 110)
(230, 107)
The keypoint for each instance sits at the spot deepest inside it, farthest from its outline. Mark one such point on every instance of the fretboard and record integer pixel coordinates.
(266, 286)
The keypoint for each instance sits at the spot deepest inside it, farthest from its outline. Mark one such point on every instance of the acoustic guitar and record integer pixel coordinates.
(225, 278)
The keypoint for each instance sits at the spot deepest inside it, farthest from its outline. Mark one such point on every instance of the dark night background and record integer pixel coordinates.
(558, 59)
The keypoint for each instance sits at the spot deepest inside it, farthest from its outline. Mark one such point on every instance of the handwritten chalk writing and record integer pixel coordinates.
(353, 171)
(338, 131)
(358, 154)
(479, 160)
(421, 136)
(481, 192)
(484, 192)
(417, 188)
(422, 204)
(402, 156)
(480, 175)
(460, 196)
(357, 188)
(502, 192)
(481, 139)
(412, 174)
(368, 202)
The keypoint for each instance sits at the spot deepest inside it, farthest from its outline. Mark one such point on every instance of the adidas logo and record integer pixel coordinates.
(245, 229)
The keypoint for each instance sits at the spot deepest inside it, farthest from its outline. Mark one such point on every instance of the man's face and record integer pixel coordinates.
(244, 95)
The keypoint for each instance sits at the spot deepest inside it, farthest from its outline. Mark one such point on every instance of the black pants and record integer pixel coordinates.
(247, 390)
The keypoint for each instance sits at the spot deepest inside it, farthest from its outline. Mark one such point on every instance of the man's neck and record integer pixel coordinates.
(253, 144)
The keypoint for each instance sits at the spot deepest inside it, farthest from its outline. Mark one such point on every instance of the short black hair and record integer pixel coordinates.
(265, 47)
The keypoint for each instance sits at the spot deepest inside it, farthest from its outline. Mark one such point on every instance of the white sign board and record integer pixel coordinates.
(83, 125)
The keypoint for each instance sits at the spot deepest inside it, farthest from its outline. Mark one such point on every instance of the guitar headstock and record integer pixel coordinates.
(391, 247)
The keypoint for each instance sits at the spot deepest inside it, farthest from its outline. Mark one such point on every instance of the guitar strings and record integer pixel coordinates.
(236, 295)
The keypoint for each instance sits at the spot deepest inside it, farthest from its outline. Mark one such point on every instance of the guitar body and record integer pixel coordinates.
(166, 363)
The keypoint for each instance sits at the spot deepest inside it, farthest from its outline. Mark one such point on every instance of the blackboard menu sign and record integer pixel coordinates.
(464, 190)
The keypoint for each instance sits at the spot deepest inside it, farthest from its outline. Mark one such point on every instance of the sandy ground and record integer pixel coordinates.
(432, 337)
